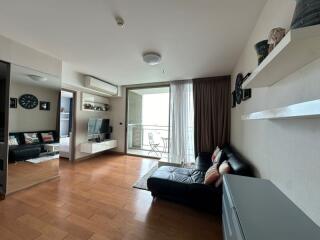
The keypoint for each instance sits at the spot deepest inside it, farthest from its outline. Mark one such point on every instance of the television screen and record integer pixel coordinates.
(98, 126)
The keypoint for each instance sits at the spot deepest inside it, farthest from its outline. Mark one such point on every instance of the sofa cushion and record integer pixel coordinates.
(203, 161)
(180, 175)
(47, 137)
(224, 168)
(215, 153)
(212, 175)
(31, 138)
(13, 141)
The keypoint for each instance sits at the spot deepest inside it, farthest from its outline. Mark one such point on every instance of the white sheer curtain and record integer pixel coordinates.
(181, 148)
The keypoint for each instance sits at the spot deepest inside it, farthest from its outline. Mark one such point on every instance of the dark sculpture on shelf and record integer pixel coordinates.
(262, 49)
(238, 88)
(307, 13)
(239, 94)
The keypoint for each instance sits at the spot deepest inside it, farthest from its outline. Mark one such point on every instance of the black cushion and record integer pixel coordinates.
(180, 175)
(203, 161)
(21, 154)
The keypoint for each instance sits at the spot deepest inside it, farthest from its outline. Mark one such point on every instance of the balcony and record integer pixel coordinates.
(148, 140)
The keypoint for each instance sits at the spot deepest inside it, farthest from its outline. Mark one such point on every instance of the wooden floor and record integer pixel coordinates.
(95, 200)
(25, 174)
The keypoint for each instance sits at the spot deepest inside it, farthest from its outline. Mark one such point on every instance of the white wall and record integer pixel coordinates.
(19, 54)
(21, 119)
(69, 75)
(284, 151)
(118, 119)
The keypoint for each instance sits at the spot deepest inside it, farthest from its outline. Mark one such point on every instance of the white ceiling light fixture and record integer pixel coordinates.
(37, 78)
(152, 58)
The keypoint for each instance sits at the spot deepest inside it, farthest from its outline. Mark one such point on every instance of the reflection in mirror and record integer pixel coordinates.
(33, 128)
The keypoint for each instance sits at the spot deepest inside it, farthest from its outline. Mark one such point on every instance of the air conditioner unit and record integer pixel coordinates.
(101, 86)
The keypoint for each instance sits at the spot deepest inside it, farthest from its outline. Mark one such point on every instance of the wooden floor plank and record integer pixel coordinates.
(94, 200)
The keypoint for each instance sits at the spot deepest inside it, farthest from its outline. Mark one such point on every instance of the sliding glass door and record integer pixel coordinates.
(147, 129)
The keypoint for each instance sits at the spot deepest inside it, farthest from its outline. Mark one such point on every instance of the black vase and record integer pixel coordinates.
(262, 49)
(307, 13)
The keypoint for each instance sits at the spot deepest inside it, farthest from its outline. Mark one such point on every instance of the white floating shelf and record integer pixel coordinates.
(301, 110)
(297, 49)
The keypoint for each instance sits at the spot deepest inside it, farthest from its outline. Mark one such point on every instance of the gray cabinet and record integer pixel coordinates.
(256, 209)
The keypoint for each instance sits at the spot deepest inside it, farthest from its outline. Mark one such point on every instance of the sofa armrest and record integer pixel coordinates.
(207, 196)
(203, 161)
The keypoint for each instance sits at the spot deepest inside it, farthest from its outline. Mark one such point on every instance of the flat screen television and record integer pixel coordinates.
(98, 127)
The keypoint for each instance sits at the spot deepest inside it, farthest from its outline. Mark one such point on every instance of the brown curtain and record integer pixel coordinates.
(212, 112)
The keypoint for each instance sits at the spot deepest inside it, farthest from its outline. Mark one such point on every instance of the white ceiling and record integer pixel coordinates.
(196, 38)
(21, 75)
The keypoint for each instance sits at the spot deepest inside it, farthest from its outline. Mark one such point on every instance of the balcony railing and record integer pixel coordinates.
(148, 140)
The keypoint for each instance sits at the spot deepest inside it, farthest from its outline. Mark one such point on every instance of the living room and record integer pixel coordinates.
(159, 120)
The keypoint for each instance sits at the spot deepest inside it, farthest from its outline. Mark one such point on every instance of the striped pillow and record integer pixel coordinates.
(215, 153)
(47, 137)
(212, 175)
(224, 168)
(31, 138)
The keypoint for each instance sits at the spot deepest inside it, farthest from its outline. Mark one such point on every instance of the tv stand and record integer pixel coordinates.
(96, 147)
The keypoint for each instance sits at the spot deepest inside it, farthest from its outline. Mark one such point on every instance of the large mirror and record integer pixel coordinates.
(33, 128)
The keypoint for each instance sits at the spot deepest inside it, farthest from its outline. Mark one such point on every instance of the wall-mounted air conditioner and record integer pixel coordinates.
(101, 86)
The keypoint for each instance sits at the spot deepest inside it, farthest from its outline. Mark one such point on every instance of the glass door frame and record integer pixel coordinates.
(144, 86)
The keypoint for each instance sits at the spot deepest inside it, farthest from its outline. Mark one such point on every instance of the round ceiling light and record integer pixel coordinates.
(152, 58)
(37, 78)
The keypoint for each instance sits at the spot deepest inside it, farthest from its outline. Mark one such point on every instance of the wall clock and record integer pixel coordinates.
(238, 88)
(28, 101)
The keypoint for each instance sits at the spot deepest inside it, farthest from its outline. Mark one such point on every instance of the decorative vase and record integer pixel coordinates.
(307, 13)
(275, 36)
(262, 49)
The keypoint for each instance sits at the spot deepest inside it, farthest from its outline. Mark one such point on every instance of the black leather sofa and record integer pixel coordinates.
(186, 186)
(24, 151)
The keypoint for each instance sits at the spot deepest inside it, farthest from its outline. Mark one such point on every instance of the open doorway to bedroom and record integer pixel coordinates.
(67, 124)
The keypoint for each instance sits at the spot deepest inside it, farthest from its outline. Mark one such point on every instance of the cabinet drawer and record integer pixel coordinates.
(227, 196)
(98, 148)
(231, 225)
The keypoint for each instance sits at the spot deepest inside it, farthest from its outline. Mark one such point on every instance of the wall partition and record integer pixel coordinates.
(4, 102)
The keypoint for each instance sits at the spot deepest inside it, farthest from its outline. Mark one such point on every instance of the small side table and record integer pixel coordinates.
(52, 147)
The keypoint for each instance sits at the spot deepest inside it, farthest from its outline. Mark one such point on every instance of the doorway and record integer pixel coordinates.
(147, 121)
(67, 124)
